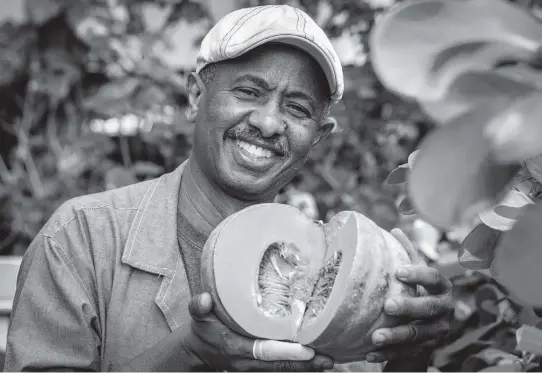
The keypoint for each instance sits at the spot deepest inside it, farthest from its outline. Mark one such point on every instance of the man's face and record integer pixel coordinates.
(257, 119)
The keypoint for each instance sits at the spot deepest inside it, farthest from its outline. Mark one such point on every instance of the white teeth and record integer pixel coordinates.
(255, 150)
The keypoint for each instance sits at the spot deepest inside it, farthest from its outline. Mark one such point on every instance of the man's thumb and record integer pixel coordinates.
(200, 306)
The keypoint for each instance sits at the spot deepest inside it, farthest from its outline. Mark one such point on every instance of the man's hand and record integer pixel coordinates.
(219, 347)
(430, 313)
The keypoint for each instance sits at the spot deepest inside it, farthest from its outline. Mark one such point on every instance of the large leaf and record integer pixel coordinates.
(534, 166)
(516, 134)
(417, 48)
(454, 177)
(501, 217)
(477, 249)
(398, 175)
(518, 256)
(474, 88)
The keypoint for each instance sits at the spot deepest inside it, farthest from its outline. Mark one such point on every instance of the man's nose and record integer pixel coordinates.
(268, 120)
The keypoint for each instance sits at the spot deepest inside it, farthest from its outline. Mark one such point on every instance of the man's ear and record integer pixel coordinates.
(325, 129)
(196, 88)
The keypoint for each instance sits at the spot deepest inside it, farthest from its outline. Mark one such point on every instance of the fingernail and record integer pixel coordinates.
(403, 272)
(305, 353)
(328, 364)
(201, 301)
(379, 338)
(391, 306)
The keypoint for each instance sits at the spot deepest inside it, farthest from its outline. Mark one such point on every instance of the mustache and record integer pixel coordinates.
(254, 135)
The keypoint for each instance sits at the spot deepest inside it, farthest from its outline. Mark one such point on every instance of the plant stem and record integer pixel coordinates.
(52, 130)
(33, 175)
(5, 173)
(125, 151)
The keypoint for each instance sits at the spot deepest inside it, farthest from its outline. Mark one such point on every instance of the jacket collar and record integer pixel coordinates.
(152, 246)
(152, 241)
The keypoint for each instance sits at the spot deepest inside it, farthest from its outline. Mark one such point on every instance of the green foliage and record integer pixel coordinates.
(478, 77)
(92, 100)
(490, 138)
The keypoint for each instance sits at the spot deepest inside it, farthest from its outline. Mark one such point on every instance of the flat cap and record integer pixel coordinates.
(245, 29)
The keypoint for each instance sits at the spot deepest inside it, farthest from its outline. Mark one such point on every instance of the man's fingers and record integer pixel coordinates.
(200, 306)
(430, 278)
(416, 308)
(317, 364)
(411, 333)
(407, 244)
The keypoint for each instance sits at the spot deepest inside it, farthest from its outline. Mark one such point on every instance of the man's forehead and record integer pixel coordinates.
(270, 65)
(275, 53)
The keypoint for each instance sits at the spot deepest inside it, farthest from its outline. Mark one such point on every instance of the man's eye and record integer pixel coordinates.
(248, 92)
(299, 110)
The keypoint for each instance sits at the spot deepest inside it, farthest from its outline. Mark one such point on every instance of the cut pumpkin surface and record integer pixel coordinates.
(274, 273)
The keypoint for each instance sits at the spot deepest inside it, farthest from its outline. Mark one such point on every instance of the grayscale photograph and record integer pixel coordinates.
(271, 186)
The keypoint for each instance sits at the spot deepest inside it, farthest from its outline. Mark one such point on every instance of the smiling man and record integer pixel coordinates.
(112, 280)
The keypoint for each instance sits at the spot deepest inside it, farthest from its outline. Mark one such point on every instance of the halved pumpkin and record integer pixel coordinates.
(274, 273)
